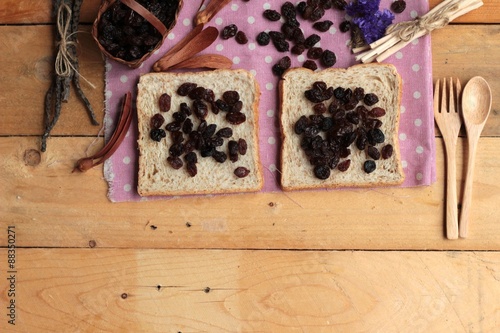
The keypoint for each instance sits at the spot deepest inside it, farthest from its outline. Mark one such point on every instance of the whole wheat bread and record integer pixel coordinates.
(296, 170)
(156, 176)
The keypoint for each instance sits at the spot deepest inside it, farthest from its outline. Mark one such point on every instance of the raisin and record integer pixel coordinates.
(373, 152)
(215, 141)
(288, 30)
(373, 123)
(301, 6)
(316, 119)
(281, 66)
(231, 97)
(185, 88)
(173, 126)
(219, 156)
(311, 41)
(301, 125)
(229, 31)
(241, 37)
(362, 139)
(156, 121)
(242, 146)
(207, 151)
(310, 64)
(358, 94)
(311, 131)
(209, 131)
(157, 134)
(191, 157)
(175, 162)
(319, 108)
(177, 137)
(187, 126)
(232, 148)
(236, 118)
(236, 107)
(209, 96)
(376, 112)
(179, 116)
(376, 135)
(323, 26)
(176, 149)
(326, 124)
(345, 26)
(192, 169)
(165, 102)
(198, 93)
(288, 11)
(186, 109)
(279, 42)
(315, 95)
(328, 58)
(322, 171)
(263, 38)
(317, 14)
(344, 165)
(387, 151)
(398, 6)
(339, 4)
(241, 172)
(352, 117)
(221, 105)
(200, 109)
(369, 166)
(345, 152)
(334, 106)
(339, 93)
(370, 99)
(225, 132)
(298, 49)
(314, 53)
(298, 36)
(272, 15)
(347, 139)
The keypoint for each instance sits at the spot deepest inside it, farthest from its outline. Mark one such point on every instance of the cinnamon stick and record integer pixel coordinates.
(211, 61)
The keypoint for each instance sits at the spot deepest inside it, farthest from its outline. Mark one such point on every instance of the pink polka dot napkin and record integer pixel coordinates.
(416, 132)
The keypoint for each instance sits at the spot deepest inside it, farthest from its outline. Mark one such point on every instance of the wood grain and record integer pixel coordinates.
(71, 290)
(38, 11)
(52, 207)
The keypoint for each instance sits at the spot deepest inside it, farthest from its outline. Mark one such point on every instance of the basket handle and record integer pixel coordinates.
(155, 22)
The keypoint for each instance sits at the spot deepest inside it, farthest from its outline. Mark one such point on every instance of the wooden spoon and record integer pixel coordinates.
(476, 106)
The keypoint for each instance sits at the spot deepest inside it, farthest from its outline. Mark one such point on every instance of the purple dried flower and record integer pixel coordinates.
(373, 26)
(361, 8)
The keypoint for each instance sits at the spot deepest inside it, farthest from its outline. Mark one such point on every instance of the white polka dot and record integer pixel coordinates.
(301, 58)
(219, 47)
(332, 30)
(254, 72)
(251, 46)
(347, 42)
(403, 109)
(418, 122)
(251, 20)
(218, 21)
(142, 65)
(234, 7)
(157, 51)
(417, 95)
(236, 60)
(272, 168)
(127, 187)
(171, 36)
(404, 164)
(266, 6)
(128, 133)
(399, 55)
(402, 136)
(269, 86)
(415, 41)
(203, 7)
(413, 14)
(109, 67)
(415, 68)
(108, 94)
(186, 22)
(123, 78)
(126, 160)
(268, 59)
(271, 141)
(419, 150)
(270, 113)
(419, 176)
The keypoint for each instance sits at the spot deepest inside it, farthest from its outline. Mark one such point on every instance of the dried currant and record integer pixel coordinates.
(301, 125)
(236, 118)
(229, 31)
(369, 166)
(311, 41)
(222, 105)
(225, 132)
(373, 152)
(298, 49)
(175, 162)
(156, 121)
(198, 93)
(310, 64)
(242, 146)
(323, 26)
(185, 88)
(191, 157)
(344, 165)
(157, 134)
(376, 135)
(187, 126)
(219, 156)
(263, 38)
(328, 58)
(279, 42)
(241, 172)
(345, 26)
(387, 151)
(192, 169)
(165, 102)
(317, 14)
(281, 66)
(314, 53)
(319, 108)
(272, 15)
(370, 99)
(322, 171)
(200, 109)
(241, 37)
(398, 6)
(376, 112)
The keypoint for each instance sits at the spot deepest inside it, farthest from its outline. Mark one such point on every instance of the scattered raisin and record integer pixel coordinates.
(242, 146)
(298, 49)
(221, 105)
(328, 58)
(314, 53)
(322, 171)
(272, 15)
(387, 151)
(232, 148)
(310, 64)
(229, 31)
(191, 157)
(376, 112)
(198, 93)
(231, 97)
(185, 88)
(376, 135)
(179, 116)
(339, 4)
(345, 26)
(236, 107)
(241, 37)
(157, 134)
(225, 132)
(358, 94)
(156, 121)
(200, 109)
(311, 41)
(369, 166)
(288, 11)
(323, 26)
(373, 152)
(175, 162)
(263, 38)
(164, 102)
(301, 6)
(281, 66)
(319, 108)
(279, 42)
(219, 156)
(398, 6)
(209, 131)
(370, 99)
(187, 126)
(235, 118)
(317, 14)
(301, 125)
(192, 169)
(241, 172)
(186, 109)
(344, 165)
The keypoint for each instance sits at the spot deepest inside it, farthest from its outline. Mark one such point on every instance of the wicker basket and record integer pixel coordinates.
(160, 26)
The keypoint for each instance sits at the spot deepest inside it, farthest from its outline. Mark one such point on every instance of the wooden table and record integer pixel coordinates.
(368, 260)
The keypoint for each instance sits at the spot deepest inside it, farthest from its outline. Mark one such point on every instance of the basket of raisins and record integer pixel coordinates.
(129, 31)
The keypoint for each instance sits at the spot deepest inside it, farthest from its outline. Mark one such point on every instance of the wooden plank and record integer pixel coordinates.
(38, 11)
(27, 73)
(457, 50)
(52, 207)
(69, 290)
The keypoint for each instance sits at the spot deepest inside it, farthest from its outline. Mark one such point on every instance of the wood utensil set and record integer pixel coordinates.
(452, 108)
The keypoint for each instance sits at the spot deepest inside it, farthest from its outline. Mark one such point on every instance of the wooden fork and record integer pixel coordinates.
(448, 118)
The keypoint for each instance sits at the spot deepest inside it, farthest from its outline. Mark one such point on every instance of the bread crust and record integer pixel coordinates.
(286, 132)
(209, 178)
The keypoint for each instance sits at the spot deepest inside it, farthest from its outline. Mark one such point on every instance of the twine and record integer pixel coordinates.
(64, 58)
(408, 29)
